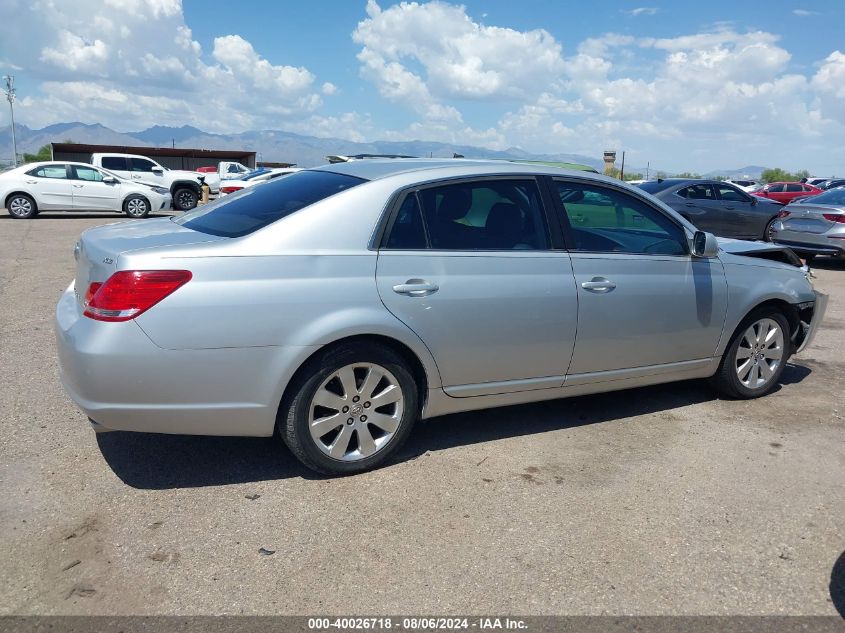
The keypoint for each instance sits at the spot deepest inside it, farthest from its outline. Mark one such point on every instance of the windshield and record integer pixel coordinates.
(253, 208)
(832, 196)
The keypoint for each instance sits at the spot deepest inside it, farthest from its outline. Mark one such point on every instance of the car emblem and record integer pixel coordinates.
(108, 260)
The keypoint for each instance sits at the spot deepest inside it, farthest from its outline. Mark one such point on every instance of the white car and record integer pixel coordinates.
(61, 186)
(254, 178)
(746, 184)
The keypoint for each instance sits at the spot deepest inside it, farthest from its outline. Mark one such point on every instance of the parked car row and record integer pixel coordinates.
(122, 183)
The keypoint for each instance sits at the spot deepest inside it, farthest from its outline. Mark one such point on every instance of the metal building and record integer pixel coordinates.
(173, 158)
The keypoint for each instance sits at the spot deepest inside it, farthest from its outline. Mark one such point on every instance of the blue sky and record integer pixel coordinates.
(687, 86)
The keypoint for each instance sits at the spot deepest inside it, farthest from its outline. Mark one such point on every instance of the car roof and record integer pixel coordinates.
(375, 169)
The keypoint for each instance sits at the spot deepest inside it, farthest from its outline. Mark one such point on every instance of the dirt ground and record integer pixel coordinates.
(663, 500)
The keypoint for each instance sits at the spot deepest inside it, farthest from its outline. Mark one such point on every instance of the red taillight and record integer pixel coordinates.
(128, 293)
(835, 217)
(230, 189)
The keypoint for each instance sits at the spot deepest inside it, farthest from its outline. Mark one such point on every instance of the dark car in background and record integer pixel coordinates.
(717, 207)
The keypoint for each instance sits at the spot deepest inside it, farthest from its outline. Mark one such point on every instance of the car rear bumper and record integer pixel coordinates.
(123, 381)
(810, 243)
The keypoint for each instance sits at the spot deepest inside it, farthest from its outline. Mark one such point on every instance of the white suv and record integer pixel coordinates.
(184, 186)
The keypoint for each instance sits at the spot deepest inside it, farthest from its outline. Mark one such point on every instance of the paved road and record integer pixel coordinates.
(651, 501)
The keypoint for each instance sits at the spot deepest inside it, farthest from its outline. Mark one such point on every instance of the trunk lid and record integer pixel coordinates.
(809, 218)
(98, 249)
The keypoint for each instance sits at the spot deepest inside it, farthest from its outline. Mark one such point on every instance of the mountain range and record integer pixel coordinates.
(281, 146)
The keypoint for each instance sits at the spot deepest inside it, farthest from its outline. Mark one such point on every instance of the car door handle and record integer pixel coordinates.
(416, 288)
(32, 182)
(731, 208)
(690, 204)
(598, 285)
(78, 186)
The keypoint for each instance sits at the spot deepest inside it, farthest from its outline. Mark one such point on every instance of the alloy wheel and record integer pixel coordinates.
(20, 206)
(760, 353)
(356, 412)
(136, 207)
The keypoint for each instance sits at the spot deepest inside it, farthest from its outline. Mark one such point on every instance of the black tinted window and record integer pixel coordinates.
(485, 215)
(114, 162)
(139, 164)
(655, 186)
(833, 196)
(407, 231)
(255, 207)
(608, 221)
(730, 194)
(698, 192)
(774, 188)
(794, 188)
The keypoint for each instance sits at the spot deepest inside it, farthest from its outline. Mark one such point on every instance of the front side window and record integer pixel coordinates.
(730, 194)
(609, 221)
(140, 164)
(698, 192)
(254, 208)
(87, 173)
(49, 171)
(114, 162)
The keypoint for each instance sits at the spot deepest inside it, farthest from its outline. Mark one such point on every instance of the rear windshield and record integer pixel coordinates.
(253, 208)
(833, 196)
(654, 186)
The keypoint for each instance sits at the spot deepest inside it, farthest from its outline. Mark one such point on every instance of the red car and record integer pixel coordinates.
(784, 192)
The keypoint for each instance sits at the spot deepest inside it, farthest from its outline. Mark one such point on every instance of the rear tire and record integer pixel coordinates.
(331, 418)
(756, 356)
(21, 206)
(185, 199)
(767, 232)
(136, 206)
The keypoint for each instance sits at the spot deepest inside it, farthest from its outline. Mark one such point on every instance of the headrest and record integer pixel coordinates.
(505, 218)
(455, 204)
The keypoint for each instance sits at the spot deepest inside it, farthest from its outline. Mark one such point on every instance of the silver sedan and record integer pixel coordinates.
(338, 305)
(814, 226)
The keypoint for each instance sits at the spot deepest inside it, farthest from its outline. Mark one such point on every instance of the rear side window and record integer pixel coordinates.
(254, 208)
(469, 216)
(49, 171)
(698, 192)
(139, 164)
(114, 162)
(777, 188)
(794, 188)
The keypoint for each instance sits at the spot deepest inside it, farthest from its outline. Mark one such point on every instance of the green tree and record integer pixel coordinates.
(44, 153)
(634, 176)
(776, 174)
(688, 174)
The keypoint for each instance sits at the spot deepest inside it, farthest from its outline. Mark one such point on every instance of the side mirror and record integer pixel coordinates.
(157, 170)
(704, 244)
(110, 180)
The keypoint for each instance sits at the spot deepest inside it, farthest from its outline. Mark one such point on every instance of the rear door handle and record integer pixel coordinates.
(416, 288)
(78, 186)
(598, 285)
(690, 204)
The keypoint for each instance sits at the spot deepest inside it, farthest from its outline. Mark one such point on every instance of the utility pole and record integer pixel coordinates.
(10, 95)
(622, 171)
(647, 166)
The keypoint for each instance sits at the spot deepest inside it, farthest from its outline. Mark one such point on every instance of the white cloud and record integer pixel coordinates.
(804, 13)
(642, 11)
(457, 58)
(142, 52)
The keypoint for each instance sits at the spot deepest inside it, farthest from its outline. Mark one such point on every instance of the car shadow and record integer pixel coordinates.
(157, 462)
(827, 263)
(837, 585)
(82, 215)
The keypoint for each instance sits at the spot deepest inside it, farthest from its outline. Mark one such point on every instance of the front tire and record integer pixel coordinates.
(350, 409)
(185, 199)
(768, 231)
(136, 206)
(756, 356)
(21, 206)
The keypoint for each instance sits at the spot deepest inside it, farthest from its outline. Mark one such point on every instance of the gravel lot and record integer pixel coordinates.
(651, 501)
